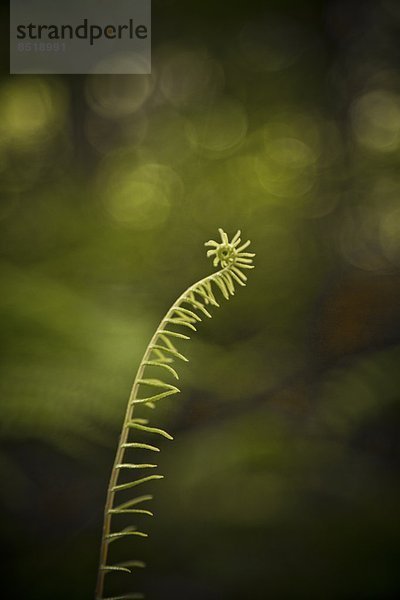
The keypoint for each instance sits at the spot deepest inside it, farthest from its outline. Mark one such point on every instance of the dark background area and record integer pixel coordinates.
(279, 118)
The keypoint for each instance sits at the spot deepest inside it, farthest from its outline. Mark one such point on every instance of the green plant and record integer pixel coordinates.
(160, 353)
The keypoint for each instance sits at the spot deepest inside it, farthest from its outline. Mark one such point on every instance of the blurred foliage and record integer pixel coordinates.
(282, 118)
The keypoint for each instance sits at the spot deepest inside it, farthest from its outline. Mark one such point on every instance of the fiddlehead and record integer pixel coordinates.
(161, 353)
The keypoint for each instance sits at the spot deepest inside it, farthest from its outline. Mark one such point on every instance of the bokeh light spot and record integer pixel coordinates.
(139, 198)
(191, 77)
(116, 96)
(290, 152)
(219, 129)
(32, 109)
(376, 120)
(359, 240)
(138, 204)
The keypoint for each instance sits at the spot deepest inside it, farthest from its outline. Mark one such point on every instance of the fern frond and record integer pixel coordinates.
(141, 427)
(155, 363)
(139, 445)
(157, 383)
(169, 351)
(188, 323)
(190, 299)
(135, 501)
(154, 398)
(132, 466)
(109, 568)
(112, 537)
(124, 511)
(134, 483)
(187, 312)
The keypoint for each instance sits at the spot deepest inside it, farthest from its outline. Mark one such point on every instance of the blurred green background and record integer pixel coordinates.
(283, 119)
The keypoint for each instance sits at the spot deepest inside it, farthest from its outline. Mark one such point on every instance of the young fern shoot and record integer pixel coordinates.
(161, 353)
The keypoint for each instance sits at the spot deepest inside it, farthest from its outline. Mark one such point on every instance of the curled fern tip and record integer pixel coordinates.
(230, 253)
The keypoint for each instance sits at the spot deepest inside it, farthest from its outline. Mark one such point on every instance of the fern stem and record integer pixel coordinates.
(123, 439)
